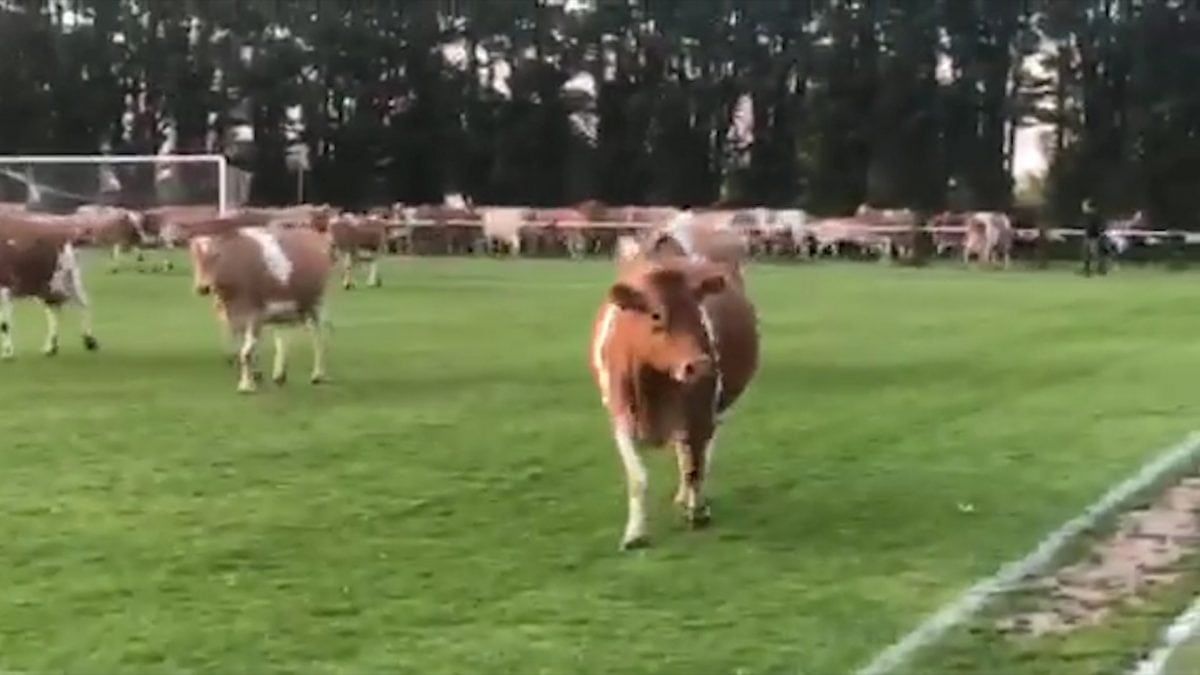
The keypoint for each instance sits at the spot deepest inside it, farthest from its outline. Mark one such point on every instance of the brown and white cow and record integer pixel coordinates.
(354, 239)
(262, 277)
(674, 345)
(988, 238)
(38, 260)
(124, 231)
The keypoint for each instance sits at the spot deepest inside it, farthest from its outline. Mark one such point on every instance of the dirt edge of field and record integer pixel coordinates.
(1146, 551)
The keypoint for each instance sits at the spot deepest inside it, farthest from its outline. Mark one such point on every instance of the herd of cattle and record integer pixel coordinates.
(675, 341)
(587, 229)
(674, 345)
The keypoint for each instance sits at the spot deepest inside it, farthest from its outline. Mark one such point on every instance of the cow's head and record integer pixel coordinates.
(203, 254)
(669, 330)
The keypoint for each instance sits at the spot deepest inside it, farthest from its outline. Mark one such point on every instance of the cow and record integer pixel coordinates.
(702, 237)
(39, 260)
(989, 238)
(356, 238)
(259, 277)
(674, 345)
(123, 230)
(948, 232)
(503, 227)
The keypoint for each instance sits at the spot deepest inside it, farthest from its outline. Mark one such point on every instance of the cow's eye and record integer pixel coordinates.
(656, 317)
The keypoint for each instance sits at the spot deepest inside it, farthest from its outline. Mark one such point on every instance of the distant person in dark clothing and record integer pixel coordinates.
(1094, 249)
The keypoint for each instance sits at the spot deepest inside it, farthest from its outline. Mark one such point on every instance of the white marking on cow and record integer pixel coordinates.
(273, 255)
(710, 331)
(1184, 627)
(601, 343)
(279, 309)
(138, 221)
(637, 482)
(974, 598)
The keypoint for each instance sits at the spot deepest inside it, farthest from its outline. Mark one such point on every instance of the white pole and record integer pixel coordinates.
(109, 159)
(222, 186)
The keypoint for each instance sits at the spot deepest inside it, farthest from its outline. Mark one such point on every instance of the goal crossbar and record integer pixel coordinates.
(221, 161)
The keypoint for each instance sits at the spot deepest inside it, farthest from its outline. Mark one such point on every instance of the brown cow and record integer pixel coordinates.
(356, 238)
(265, 277)
(674, 344)
(38, 260)
(122, 229)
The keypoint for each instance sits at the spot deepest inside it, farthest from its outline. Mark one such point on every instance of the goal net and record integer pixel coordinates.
(61, 184)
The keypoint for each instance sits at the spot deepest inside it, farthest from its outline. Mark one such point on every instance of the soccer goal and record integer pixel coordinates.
(62, 183)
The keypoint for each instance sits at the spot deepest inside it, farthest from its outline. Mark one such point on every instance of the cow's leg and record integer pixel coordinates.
(313, 323)
(637, 482)
(114, 264)
(53, 309)
(6, 324)
(77, 293)
(348, 270)
(167, 250)
(373, 277)
(694, 456)
(279, 372)
(247, 383)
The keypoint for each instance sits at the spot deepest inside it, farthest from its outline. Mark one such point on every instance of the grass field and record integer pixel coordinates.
(452, 502)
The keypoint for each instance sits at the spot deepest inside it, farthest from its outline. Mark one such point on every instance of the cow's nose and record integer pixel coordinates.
(203, 289)
(691, 371)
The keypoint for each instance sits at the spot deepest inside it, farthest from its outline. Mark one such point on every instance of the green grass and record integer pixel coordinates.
(452, 503)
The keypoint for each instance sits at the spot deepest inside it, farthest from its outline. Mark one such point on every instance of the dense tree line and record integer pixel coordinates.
(822, 104)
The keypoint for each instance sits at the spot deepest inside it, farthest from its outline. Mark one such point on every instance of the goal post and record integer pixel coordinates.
(222, 186)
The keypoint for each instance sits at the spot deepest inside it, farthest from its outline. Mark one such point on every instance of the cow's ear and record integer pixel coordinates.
(710, 284)
(627, 297)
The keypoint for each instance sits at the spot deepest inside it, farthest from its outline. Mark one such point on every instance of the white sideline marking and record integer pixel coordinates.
(1010, 574)
(1184, 626)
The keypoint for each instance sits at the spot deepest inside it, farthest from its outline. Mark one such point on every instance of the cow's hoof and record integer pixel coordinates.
(279, 378)
(634, 543)
(247, 388)
(50, 350)
(699, 518)
(318, 378)
(90, 343)
(348, 287)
